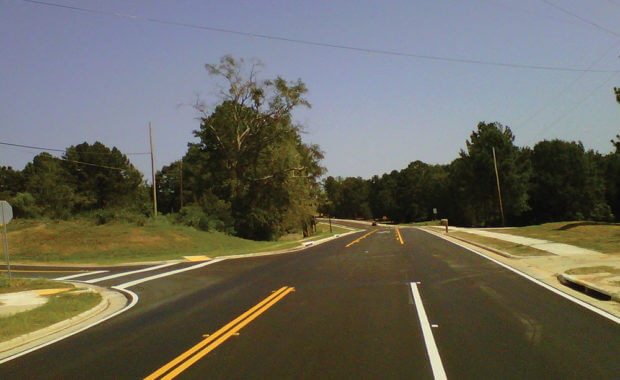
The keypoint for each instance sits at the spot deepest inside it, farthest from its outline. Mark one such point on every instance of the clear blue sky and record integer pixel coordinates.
(68, 76)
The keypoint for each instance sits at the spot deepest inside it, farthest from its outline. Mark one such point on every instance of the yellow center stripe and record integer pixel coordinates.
(359, 239)
(214, 340)
(399, 236)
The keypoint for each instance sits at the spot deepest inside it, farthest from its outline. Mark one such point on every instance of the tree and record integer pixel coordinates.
(103, 177)
(617, 91)
(566, 183)
(49, 184)
(474, 179)
(250, 154)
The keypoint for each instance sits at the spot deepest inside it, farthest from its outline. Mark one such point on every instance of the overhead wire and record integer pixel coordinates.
(583, 19)
(64, 150)
(574, 107)
(321, 44)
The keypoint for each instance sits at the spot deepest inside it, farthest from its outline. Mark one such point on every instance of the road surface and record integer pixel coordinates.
(379, 304)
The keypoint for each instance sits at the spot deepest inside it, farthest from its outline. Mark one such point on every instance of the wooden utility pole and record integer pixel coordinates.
(181, 176)
(499, 192)
(153, 171)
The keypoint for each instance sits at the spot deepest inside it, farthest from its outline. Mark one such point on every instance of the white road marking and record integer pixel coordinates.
(431, 348)
(80, 275)
(569, 297)
(166, 274)
(123, 274)
(134, 301)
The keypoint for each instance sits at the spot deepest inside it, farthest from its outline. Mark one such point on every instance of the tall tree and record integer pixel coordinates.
(102, 176)
(250, 153)
(566, 184)
(50, 185)
(475, 181)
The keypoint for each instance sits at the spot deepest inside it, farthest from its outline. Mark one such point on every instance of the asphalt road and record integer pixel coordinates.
(351, 315)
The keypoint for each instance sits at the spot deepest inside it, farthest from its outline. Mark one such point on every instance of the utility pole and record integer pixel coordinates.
(499, 192)
(153, 171)
(181, 175)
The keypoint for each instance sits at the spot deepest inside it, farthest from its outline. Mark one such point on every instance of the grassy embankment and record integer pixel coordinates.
(604, 238)
(81, 241)
(59, 307)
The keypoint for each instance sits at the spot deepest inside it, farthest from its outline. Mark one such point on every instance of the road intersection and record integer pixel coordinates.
(395, 304)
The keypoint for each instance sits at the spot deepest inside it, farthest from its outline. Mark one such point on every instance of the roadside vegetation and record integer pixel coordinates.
(501, 245)
(601, 237)
(552, 181)
(85, 241)
(60, 306)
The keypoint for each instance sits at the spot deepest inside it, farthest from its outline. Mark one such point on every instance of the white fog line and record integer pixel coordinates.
(431, 348)
(80, 275)
(132, 303)
(557, 291)
(123, 274)
(166, 274)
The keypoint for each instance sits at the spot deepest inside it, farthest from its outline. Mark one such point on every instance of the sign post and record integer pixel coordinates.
(6, 214)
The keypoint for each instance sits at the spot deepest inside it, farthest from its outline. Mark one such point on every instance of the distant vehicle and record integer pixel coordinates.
(374, 222)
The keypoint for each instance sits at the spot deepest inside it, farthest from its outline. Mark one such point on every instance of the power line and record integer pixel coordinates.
(560, 93)
(64, 150)
(574, 107)
(321, 44)
(613, 33)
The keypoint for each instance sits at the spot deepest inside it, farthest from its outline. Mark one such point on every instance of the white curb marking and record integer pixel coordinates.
(80, 275)
(429, 340)
(129, 273)
(165, 274)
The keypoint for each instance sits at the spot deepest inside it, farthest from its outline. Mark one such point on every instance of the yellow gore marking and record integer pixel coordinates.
(49, 292)
(197, 258)
(361, 238)
(191, 356)
(399, 237)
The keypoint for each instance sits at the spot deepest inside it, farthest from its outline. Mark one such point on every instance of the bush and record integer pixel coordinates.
(110, 215)
(24, 206)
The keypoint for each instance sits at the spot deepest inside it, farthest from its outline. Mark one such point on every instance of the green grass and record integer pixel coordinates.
(22, 284)
(593, 270)
(604, 238)
(421, 224)
(505, 246)
(81, 241)
(58, 308)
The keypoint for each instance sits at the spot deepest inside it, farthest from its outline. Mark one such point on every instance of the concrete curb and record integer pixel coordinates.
(288, 250)
(109, 304)
(497, 251)
(567, 279)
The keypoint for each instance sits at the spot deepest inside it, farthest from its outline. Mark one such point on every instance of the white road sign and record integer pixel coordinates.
(6, 212)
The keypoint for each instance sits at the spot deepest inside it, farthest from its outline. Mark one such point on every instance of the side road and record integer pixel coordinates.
(588, 275)
(114, 301)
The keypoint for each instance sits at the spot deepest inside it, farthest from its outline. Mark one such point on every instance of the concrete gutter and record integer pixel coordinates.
(568, 280)
(111, 302)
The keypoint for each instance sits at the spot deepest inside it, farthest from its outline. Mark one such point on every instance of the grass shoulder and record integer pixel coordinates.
(59, 306)
(502, 245)
(83, 241)
(601, 237)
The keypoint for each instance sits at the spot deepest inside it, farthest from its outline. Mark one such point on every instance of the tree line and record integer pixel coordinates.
(248, 173)
(553, 181)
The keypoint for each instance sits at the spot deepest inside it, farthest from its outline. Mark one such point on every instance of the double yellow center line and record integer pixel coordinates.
(360, 238)
(399, 237)
(191, 356)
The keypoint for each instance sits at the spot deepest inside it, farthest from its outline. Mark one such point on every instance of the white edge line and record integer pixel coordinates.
(80, 275)
(166, 274)
(569, 297)
(123, 274)
(431, 348)
(134, 301)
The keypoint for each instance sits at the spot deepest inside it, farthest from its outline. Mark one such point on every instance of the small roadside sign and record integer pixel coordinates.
(6, 214)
